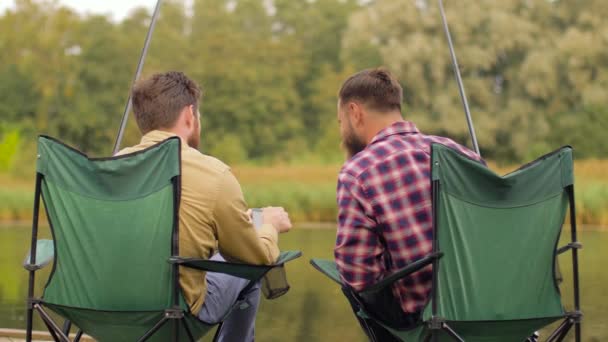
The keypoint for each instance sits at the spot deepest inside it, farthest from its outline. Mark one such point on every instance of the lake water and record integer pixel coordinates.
(314, 309)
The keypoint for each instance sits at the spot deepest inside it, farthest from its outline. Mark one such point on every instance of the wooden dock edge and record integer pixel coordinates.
(37, 335)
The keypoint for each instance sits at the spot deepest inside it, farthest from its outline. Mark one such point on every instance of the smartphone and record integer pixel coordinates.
(257, 216)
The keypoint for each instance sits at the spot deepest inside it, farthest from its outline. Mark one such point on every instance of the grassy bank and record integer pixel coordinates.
(308, 192)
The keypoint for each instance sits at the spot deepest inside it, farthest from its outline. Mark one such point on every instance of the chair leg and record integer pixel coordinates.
(452, 333)
(371, 333)
(187, 328)
(565, 326)
(534, 337)
(54, 329)
(78, 336)
(577, 331)
(564, 332)
(28, 331)
(154, 329)
(67, 326)
(176, 330)
(575, 272)
(32, 273)
(51, 331)
(217, 332)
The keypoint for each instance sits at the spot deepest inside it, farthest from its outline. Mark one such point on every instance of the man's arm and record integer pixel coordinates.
(358, 250)
(237, 238)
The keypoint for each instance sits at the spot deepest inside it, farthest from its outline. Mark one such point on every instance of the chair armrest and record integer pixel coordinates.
(245, 271)
(404, 272)
(571, 245)
(45, 252)
(287, 256)
(327, 267)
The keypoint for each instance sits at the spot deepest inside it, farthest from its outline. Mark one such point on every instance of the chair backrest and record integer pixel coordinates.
(498, 236)
(113, 221)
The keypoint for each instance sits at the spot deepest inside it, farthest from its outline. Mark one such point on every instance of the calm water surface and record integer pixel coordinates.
(314, 309)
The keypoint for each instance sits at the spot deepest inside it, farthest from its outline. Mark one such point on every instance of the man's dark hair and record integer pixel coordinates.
(158, 100)
(376, 88)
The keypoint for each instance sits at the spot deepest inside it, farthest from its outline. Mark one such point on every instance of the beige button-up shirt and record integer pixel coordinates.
(212, 215)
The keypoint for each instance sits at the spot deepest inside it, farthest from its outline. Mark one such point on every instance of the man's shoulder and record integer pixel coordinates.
(189, 155)
(397, 148)
(377, 153)
(211, 164)
(453, 145)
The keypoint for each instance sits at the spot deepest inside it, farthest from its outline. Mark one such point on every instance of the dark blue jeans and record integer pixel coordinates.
(383, 307)
(222, 296)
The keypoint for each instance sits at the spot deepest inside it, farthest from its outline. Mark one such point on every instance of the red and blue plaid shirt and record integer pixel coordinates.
(384, 218)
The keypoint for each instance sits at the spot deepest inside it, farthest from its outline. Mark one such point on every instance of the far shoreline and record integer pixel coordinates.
(10, 224)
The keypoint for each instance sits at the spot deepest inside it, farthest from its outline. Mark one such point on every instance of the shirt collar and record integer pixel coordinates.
(156, 136)
(400, 127)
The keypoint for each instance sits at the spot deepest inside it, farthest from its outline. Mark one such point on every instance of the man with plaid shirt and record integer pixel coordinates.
(384, 200)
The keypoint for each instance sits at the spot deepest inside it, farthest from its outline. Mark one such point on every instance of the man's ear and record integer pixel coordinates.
(356, 114)
(188, 116)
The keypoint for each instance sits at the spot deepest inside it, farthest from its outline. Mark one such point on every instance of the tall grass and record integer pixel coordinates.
(15, 204)
(308, 191)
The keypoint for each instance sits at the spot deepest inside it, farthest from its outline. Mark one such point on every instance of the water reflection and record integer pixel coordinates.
(314, 309)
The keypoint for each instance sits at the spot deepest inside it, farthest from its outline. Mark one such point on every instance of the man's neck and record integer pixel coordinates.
(381, 122)
(175, 131)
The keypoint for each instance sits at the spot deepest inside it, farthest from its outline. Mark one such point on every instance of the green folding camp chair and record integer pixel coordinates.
(115, 225)
(494, 252)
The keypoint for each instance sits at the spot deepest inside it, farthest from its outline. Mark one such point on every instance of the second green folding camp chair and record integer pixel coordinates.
(494, 252)
(115, 225)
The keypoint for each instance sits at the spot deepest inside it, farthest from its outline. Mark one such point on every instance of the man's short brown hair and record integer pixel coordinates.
(376, 88)
(158, 100)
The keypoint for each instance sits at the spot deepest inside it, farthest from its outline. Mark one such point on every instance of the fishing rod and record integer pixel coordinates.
(140, 66)
(535, 336)
(123, 123)
(463, 95)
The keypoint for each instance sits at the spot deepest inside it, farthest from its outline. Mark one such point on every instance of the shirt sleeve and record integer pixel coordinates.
(238, 240)
(358, 251)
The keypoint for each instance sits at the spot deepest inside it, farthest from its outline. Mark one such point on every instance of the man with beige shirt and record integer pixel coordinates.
(213, 213)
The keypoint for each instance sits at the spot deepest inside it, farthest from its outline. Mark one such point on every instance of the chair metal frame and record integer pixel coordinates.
(573, 318)
(175, 314)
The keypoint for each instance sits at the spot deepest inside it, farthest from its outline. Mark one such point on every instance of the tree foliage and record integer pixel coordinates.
(535, 71)
(529, 68)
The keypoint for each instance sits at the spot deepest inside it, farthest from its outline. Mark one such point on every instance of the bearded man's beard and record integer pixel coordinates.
(194, 139)
(352, 144)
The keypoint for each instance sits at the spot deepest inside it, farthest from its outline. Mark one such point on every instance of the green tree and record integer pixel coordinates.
(522, 62)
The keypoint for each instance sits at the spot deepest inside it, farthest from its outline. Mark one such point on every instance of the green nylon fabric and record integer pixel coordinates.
(517, 331)
(287, 256)
(112, 222)
(107, 251)
(490, 252)
(128, 326)
(498, 236)
(123, 178)
(327, 267)
(467, 179)
(112, 231)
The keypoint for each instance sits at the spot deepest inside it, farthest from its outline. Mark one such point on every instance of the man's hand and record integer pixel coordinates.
(278, 217)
